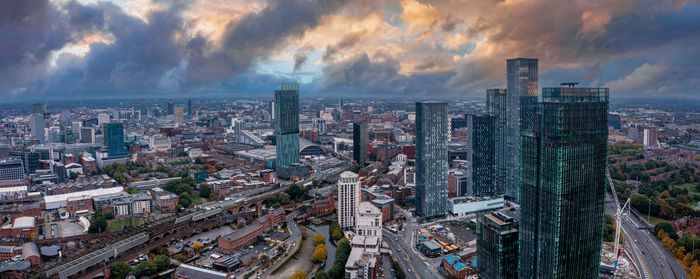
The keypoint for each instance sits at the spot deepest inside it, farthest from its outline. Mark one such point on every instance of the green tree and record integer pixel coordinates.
(162, 262)
(109, 215)
(666, 227)
(204, 191)
(99, 224)
(146, 268)
(284, 198)
(119, 270)
(185, 200)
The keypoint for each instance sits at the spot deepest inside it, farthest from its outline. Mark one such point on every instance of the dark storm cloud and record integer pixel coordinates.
(29, 31)
(380, 75)
(299, 60)
(255, 36)
(347, 41)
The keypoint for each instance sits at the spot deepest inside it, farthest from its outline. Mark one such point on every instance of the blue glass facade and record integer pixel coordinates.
(114, 139)
(287, 124)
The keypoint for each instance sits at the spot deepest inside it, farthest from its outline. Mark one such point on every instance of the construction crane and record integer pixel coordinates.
(619, 213)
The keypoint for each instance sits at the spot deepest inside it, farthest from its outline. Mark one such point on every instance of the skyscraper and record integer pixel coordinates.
(37, 108)
(11, 168)
(480, 154)
(189, 108)
(87, 135)
(287, 124)
(179, 114)
(36, 124)
(497, 245)
(496, 105)
(171, 107)
(431, 159)
(563, 185)
(360, 136)
(348, 199)
(114, 139)
(521, 103)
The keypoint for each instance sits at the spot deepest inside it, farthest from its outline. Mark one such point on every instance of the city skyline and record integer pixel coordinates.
(85, 49)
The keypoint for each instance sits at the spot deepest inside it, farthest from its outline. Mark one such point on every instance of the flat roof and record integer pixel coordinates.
(92, 193)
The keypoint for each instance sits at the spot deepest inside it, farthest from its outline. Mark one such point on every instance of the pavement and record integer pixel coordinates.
(652, 258)
(402, 245)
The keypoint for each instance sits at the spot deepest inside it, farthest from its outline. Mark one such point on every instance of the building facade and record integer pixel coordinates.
(496, 106)
(287, 124)
(369, 220)
(431, 159)
(563, 185)
(360, 138)
(521, 104)
(11, 168)
(114, 139)
(348, 199)
(497, 245)
(480, 154)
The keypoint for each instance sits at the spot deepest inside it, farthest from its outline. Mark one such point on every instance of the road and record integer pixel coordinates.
(402, 245)
(652, 257)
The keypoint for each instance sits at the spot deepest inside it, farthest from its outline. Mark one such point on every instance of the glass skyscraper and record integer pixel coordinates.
(360, 137)
(114, 139)
(563, 185)
(287, 124)
(480, 154)
(496, 105)
(521, 103)
(497, 245)
(431, 159)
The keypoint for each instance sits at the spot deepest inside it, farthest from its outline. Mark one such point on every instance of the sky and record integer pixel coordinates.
(382, 48)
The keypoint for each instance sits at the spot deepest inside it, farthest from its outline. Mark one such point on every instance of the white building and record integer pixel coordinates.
(36, 124)
(464, 206)
(369, 220)
(348, 199)
(159, 142)
(142, 204)
(103, 118)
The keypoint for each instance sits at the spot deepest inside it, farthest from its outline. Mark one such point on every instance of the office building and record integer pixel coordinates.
(368, 220)
(521, 103)
(480, 154)
(30, 160)
(179, 114)
(615, 121)
(563, 185)
(103, 119)
(496, 106)
(37, 108)
(348, 199)
(431, 159)
(189, 108)
(360, 138)
(114, 139)
(76, 127)
(11, 169)
(37, 126)
(497, 245)
(87, 135)
(171, 107)
(287, 124)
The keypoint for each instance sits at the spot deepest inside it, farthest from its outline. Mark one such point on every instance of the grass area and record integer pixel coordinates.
(118, 225)
(655, 220)
(688, 186)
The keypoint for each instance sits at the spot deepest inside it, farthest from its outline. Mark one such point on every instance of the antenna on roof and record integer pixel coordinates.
(569, 84)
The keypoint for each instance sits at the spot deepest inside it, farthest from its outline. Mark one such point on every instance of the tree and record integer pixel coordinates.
(99, 224)
(196, 246)
(73, 175)
(299, 274)
(185, 200)
(204, 191)
(284, 198)
(322, 275)
(119, 270)
(319, 254)
(131, 190)
(336, 234)
(666, 227)
(147, 268)
(319, 239)
(162, 262)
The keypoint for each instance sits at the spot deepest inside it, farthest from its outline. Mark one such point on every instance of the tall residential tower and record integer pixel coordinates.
(431, 159)
(287, 124)
(563, 185)
(348, 199)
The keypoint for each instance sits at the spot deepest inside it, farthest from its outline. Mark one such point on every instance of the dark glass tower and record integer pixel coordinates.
(431, 159)
(497, 245)
(480, 154)
(114, 139)
(563, 185)
(287, 124)
(171, 107)
(521, 103)
(496, 105)
(189, 108)
(360, 136)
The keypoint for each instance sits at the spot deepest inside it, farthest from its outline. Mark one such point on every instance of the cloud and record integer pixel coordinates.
(647, 79)
(299, 60)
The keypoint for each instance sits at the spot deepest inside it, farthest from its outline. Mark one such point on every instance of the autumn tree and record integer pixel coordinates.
(319, 239)
(299, 274)
(319, 254)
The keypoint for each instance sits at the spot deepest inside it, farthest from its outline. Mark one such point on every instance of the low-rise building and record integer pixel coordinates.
(185, 271)
(164, 200)
(464, 206)
(21, 227)
(81, 205)
(248, 234)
